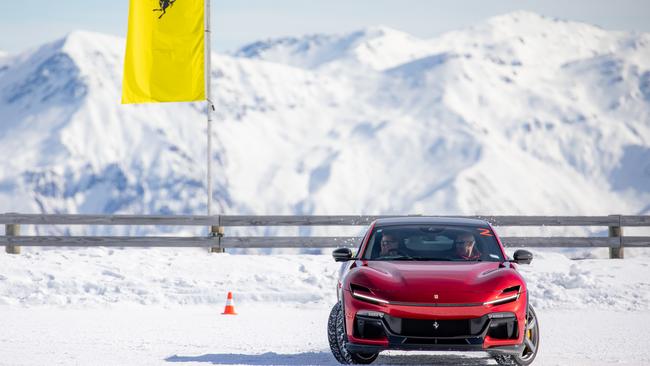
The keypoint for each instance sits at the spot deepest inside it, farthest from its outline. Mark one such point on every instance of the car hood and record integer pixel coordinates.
(420, 282)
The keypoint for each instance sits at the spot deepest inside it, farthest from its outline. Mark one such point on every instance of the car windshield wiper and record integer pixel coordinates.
(396, 258)
(420, 259)
(468, 260)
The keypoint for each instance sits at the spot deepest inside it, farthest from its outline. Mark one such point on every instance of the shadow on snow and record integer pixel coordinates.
(326, 358)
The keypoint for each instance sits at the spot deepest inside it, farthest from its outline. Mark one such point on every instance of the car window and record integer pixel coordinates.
(433, 242)
(428, 242)
(360, 245)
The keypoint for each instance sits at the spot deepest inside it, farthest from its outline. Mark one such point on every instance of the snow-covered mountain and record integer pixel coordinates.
(376, 47)
(521, 114)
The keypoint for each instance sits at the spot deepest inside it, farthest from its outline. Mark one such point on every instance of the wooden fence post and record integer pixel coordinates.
(12, 230)
(616, 232)
(217, 231)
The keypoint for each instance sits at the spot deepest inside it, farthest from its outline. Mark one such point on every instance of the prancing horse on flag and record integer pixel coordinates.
(163, 5)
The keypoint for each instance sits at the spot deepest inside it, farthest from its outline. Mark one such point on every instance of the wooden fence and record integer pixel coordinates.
(217, 241)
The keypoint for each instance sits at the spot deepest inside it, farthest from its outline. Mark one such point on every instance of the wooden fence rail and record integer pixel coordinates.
(298, 220)
(616, 242)
(293, 241)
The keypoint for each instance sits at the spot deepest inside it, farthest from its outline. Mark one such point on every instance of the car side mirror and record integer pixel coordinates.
(342, 254)
(523, 257)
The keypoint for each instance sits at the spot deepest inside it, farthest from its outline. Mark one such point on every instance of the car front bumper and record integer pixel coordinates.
(367, 348)
(371, 328)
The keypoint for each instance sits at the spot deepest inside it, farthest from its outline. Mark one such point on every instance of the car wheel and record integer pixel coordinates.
(531, 343)
(337, 339)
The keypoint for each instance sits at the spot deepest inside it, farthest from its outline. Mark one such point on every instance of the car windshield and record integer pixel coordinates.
(433, 243)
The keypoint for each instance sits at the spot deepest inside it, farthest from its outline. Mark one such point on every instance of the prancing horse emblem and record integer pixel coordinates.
(163, 5)
(435, 325)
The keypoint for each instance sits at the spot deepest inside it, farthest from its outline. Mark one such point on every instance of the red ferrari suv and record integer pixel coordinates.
(426, 283)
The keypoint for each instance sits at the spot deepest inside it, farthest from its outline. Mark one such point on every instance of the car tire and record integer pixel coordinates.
(337, 340)
(531, 342)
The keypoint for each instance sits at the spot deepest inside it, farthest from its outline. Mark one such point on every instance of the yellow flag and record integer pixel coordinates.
(164, 52)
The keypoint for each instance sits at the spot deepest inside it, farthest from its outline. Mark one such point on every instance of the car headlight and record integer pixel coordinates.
(363, 293)
(369, 298)
(508, 295)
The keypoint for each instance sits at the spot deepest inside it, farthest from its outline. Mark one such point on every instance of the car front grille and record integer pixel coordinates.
(437, 328)
(432, 331)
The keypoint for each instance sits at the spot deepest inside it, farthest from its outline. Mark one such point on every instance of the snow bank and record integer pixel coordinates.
(556, 282)
(92, 277)
(178, 277)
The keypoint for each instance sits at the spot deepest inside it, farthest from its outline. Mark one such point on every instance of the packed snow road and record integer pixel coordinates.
(273, 334)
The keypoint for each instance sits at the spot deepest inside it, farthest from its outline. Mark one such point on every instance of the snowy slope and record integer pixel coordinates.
(377, 48)
(518, 114)
(4, 61)
(76, 149)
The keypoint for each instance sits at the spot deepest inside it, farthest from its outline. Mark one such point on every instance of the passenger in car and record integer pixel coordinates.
(465, 245)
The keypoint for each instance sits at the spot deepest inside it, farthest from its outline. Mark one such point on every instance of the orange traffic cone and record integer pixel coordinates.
(230, 306)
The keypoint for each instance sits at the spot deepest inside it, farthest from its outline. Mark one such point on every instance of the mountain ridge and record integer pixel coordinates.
(471, 122)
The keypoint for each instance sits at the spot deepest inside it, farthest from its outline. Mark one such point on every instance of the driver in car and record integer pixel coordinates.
(465, 244)
(389, 246)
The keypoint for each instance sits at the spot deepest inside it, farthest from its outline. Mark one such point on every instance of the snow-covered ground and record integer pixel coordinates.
(276, 334)
(162, 306)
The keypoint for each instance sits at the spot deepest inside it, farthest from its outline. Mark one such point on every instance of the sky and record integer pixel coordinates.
(29, 23)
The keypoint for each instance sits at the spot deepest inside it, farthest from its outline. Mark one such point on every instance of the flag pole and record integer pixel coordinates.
(209, 106)
(215, 230)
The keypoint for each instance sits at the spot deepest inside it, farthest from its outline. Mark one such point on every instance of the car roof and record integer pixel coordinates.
(430, 220)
